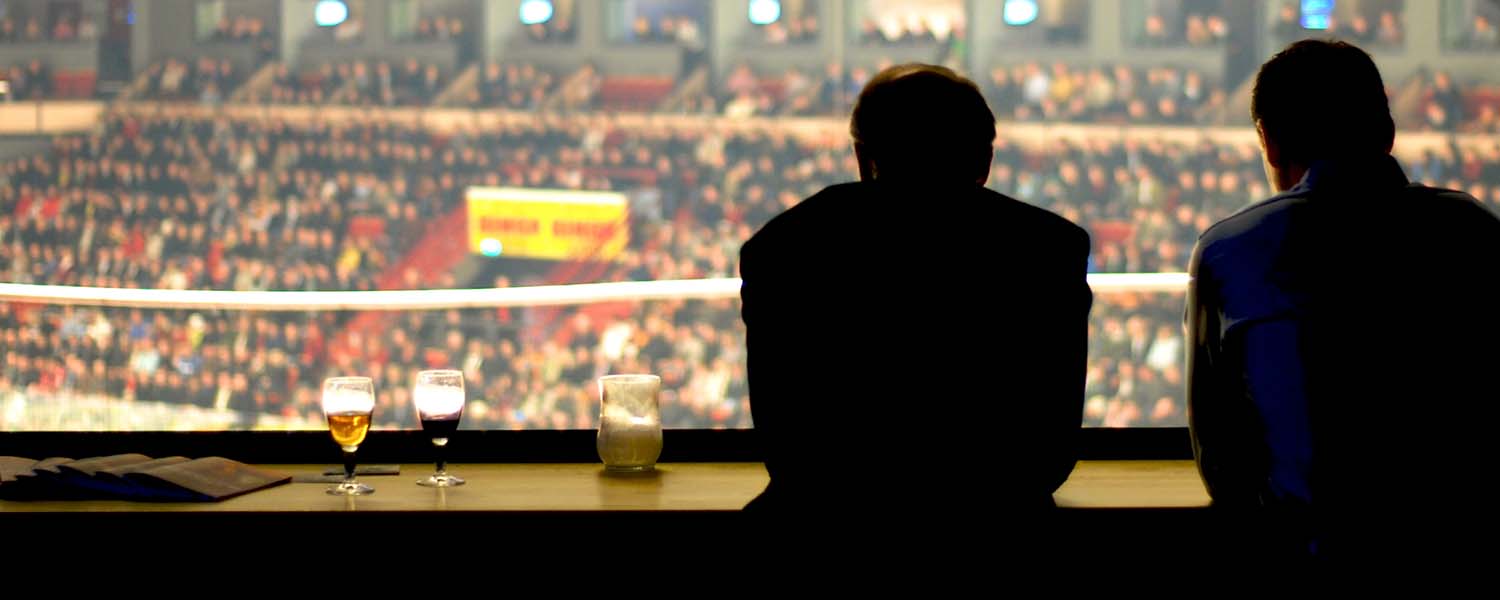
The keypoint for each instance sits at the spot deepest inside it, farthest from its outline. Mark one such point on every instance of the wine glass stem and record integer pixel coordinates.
(442, 459)
(348, 467)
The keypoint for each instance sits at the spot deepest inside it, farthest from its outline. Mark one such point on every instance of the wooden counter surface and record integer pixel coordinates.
(586, 487)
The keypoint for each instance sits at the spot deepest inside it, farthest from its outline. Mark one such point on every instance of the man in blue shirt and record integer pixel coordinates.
(1343, 332)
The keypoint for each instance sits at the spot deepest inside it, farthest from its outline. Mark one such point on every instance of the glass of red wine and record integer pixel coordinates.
(439, 398)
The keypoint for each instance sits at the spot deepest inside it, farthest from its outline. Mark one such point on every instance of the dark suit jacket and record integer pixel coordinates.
(1344, 336)
(915, 348)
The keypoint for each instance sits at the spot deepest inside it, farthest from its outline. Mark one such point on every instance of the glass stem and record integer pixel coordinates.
(442, 457)
(348, 467)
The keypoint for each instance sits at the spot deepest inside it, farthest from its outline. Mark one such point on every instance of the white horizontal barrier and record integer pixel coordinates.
(546, 295)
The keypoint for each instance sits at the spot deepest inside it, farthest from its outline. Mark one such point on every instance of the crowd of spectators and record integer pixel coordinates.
(247, 30)
(557, 30)
(205, 80)
(195, 204)
(1119, 93)
(513, 86)
(686, 32)
(668, 29)
(439, 27)
(1371, 24)
(1481, 34)
(213, 203)
(361, 83)
(1021, 92)
(241, 29)
(794, 92)
(1196, 30)
(32, 81)
(792, 29)
(1035, 92)
(192, 204)
(1447, 105)
(916, 30)
(66, 26)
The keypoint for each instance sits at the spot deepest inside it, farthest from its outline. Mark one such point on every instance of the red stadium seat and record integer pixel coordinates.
(1111, 232)
(367, 227)
(73, 84)
(1480, 97)
(634, 92)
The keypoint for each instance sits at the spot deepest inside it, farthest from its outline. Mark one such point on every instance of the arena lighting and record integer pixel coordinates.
(328, 13)
(1316, 13)
(534, 12)
(1019, 13)
(765, 12)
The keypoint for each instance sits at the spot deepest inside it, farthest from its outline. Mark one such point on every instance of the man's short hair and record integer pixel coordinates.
(922, 117)
(1322, 100)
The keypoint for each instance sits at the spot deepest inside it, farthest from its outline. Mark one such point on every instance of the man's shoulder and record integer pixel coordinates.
(1459, 204)
(1270, 216)
(1046, 223)
(1252, 220)
(791, 223)
(826, 203)
(945, 211)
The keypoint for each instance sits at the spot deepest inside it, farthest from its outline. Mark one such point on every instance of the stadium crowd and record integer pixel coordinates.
(32, 81)
(360, 83)
(1020, 91)
(182, 203)
(206, 80)
(66, 26)
(1370, 24)
(1447, 105)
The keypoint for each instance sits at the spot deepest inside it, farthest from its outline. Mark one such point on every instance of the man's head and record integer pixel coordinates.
(1317, 101)
(923, 122)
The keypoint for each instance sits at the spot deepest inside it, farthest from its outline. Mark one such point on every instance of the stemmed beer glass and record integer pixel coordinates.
(348, 403)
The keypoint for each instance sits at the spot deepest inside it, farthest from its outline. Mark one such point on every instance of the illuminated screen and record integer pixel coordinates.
(328, 13)
(764, 12)
(534, 12)
(1020, 12)
(1316, 14)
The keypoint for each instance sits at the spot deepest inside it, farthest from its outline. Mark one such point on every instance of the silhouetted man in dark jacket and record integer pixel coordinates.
(916, 342)
(1344, 333)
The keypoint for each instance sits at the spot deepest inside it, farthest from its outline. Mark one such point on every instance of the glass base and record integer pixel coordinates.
(350, 488)
(441, 480)
(629, 468)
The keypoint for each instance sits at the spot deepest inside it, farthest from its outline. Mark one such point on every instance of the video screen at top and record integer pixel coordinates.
(193, 148)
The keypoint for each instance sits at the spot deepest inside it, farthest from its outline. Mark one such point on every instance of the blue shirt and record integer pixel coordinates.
(1247, 317)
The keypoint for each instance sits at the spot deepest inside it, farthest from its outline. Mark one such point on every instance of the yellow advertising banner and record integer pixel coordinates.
(547, 224)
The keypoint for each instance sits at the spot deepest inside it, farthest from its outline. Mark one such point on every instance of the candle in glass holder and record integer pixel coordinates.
(629, 422)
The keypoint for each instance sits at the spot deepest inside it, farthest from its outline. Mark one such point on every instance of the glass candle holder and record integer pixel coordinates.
(629, 422)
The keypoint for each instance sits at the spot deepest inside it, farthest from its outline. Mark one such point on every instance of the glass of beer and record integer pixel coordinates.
(439, 398)
(629, 422)
(348, 403)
